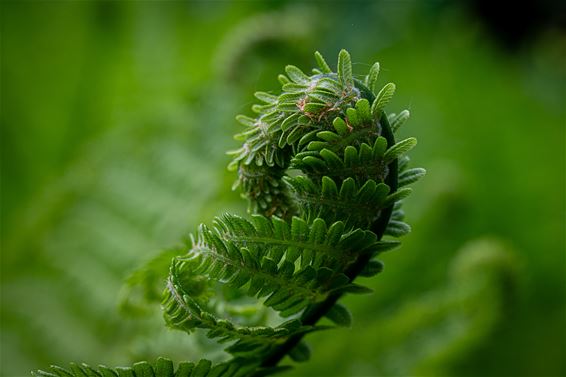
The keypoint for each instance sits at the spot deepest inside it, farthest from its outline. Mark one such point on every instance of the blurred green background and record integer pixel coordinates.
(115, 117)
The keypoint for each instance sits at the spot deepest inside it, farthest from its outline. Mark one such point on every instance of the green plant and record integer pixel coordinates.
(324, 179)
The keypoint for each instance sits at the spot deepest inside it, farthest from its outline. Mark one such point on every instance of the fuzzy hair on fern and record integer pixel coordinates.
(324, 179)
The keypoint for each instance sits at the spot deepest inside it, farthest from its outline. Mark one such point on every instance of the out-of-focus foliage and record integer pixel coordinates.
(114, 121)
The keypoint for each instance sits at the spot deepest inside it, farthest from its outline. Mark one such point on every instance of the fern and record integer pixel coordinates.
(324, 180)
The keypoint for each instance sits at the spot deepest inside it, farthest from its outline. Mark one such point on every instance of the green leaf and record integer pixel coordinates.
(372, 268)
(265, 97)
(397, 228)
(340, 315)
(125, 372)
(42, 373)
(316, 145)
(164, 367)
(353, 117)
(364, 111)
(283, 79)
(185, 369)
(397, 195)
(411, 176)
(357, 289)
(143, 369)
(79, 371)
(332, 159)
(382, 99)
(322, 63)
(296, 75)
(398, 120)
(323, 97)
(345, 70)
(328, 136)
(300, 353)
(399, 149)
(379, 147)
(340, 126)
(61, 371)
(202, 368)
(372, 77)
(382, 246)
(107, 372)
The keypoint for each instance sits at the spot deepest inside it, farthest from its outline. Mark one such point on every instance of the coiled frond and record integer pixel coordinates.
(309, 230)
(324, 179)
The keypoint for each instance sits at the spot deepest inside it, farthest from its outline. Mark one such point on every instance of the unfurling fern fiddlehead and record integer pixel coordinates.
(324, 179)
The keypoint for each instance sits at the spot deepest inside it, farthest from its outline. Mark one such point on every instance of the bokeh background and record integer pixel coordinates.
(115, 117)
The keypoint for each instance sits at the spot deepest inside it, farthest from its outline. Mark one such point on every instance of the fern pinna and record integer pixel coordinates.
(324, 179)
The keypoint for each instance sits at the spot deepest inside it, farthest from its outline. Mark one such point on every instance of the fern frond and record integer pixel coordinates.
(313, 243)
(359, 163)
(312, 232)
(162, 368)
(292, 264)
(183, 312)
(363, 164)
(356, 206)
